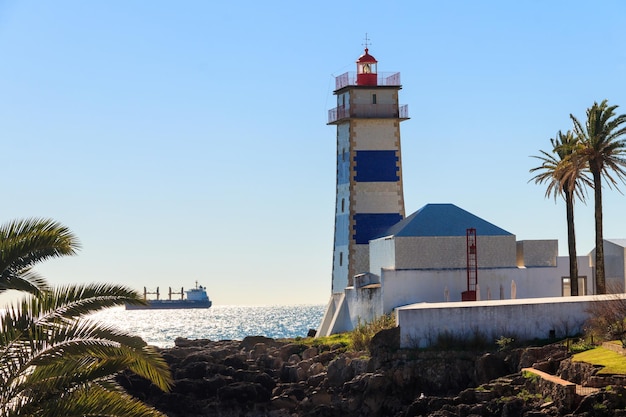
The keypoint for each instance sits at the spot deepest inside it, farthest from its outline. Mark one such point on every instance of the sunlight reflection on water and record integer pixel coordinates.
(161, 327)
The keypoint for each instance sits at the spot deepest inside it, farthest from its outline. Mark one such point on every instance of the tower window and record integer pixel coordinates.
(340, 258)
(343, 204)
(373, 98)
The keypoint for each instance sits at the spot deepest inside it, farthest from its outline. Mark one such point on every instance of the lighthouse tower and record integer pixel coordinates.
(369, 170)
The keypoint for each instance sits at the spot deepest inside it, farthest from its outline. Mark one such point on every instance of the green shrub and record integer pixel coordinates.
(504, 342)
(362, 334)
(579, 345)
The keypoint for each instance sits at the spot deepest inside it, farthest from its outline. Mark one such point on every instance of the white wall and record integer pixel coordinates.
(382, 254)
(364, 304)
(402, 287)
(537, 252)
(521, 319)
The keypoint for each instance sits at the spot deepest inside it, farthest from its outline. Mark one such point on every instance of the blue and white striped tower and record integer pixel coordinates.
(370, 198)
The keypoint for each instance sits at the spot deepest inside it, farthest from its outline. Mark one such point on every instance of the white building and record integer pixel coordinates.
(441, 254)
(423, 259)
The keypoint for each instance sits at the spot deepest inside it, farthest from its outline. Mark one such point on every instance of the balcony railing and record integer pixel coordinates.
(369, 111)
(384, 78)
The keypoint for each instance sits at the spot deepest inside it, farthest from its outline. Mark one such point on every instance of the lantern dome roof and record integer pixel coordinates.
(366, 57)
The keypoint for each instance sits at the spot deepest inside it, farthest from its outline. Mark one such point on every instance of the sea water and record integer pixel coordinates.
(162, 327)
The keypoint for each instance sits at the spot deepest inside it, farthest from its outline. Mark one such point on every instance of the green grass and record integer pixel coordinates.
(355, 340)
(613, 362)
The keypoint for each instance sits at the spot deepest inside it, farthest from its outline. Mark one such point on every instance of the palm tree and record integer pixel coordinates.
(563, 171)
(54, 361)
(24, 243)
(603, 149)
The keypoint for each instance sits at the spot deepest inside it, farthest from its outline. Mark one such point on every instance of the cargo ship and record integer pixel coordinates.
(196, 298)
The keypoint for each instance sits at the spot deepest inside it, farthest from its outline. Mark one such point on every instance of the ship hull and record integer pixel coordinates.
(170, 305)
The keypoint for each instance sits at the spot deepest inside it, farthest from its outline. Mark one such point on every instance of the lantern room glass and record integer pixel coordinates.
(366, 68)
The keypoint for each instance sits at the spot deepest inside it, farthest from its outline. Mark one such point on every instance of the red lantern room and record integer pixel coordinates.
(366, 70)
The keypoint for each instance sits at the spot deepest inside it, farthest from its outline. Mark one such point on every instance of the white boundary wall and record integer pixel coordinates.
(522, 319)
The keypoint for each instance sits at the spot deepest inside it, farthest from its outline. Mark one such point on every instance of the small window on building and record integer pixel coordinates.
(343, 205)
(373, 98)
(340, 258)
(566, 286)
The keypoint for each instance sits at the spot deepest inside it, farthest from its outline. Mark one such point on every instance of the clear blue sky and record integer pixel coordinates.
(187, 141)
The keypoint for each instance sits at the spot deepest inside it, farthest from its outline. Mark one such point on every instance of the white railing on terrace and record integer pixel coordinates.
(369, 111)
(384, 78)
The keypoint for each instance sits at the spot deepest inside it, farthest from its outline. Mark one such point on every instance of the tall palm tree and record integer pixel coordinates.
(24, 243)
(563, 171)
(55, 361)
(604, 149)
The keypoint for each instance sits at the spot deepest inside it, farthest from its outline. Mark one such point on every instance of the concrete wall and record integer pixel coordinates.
(382, 254)
(336, 318)
(537, 252)
(364, 304)
(356, 305)
(521, 319)
(365, 299)
(451, 252)
(402, 287)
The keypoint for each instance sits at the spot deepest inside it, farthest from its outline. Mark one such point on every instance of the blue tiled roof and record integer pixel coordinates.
(443, 220)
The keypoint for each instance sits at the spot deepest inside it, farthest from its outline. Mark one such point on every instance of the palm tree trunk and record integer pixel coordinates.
(571, 243)
(597, 193)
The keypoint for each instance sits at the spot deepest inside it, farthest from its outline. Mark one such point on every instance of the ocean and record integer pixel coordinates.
(161, 327)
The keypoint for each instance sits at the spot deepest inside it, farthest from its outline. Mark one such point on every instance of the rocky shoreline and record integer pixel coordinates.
(259, 376)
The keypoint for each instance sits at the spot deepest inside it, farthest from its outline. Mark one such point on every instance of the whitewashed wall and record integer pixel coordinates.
(382, 254)
(402, 287)
(521, 319)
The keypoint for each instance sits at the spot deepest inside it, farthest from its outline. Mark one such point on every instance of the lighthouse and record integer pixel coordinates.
(369, 195)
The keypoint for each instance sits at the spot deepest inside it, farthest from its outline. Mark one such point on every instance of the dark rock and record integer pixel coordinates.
(265, 381)
(311, 333)
(236, 362)
(385, 342)
(250, 341)
(184, 342)
(513, 408)
(193, 370)
(490, 366)
(242, 393)
(339, 372)
(263, 377)
(291, 349)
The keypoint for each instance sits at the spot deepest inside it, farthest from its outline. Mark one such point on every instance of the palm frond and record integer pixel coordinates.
(24, 243)
(72, 301)
(91, 401)
(602, 147)
(563, 170)
(49, 348)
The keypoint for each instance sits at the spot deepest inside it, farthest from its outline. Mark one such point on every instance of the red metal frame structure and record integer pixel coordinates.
(472, 266)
